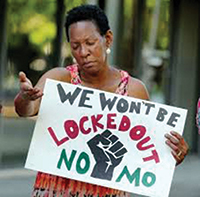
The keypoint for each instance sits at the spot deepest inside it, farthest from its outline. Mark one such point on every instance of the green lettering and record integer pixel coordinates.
(79, 169)
(63, 157)
(150, 176)
(135, 175)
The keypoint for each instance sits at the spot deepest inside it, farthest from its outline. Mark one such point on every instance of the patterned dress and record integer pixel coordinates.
(47, 185)
(198, 116)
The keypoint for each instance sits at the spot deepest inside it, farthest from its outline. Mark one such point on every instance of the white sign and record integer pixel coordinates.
(105, 139)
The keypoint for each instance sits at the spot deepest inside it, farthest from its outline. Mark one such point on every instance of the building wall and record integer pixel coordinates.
(184, 62)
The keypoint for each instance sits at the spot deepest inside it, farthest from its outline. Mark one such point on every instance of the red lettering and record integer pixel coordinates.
(141, 146)
(124, 124)
(110, 120)
(71, 128)
(81, 125)
(137, 132)
(53, 135)
(95, 122)
(153, 156)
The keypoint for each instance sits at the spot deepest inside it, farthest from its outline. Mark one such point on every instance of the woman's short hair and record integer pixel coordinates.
(87, 12)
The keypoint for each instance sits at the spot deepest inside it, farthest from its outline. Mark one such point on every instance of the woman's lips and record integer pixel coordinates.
(88, 64)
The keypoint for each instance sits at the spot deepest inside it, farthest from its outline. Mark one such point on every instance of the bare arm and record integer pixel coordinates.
(179, 147)
(137, 89)
(28, 99)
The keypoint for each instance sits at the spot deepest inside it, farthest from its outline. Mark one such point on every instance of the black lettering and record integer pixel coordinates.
(149, 106)
(161, 114)
(122, 105)
(84, 98)
(172, 119)
(69, 96)
(110, 103)
(135, 107)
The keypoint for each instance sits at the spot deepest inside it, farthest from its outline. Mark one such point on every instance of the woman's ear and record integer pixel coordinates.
(109, 38)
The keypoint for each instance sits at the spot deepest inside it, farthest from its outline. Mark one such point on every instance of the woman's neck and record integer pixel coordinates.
(98, 79)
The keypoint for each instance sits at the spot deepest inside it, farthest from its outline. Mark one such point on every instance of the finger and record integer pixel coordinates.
(177, 158)
(22, 77)
(113, 138)
(118, 145)
(25, 83)
(26, 87)
(106, 133)
(104, 141)
(172, 145)
(121, 152)
(181, 142)
(175, 134)
(30, 94)
(36, 96)
(33, 91)
(172, 139)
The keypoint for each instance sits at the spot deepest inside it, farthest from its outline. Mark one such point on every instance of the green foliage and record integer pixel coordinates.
(163, 26)
(39, 29)
(150, 3)
(128, 5)
(34, 19)
(72, 3)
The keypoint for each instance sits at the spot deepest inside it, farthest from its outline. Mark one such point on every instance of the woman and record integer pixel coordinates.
(90, 38)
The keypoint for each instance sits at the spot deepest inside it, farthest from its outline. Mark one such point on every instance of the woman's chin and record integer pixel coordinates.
(90, 68)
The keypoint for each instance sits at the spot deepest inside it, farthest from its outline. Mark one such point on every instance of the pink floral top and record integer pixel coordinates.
(47, 185)
(122, 87)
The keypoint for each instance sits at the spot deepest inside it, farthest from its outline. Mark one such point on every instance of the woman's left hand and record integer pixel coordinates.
(178, 145)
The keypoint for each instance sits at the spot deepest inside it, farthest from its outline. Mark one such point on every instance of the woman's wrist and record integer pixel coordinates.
(23, 105)
(22, 96)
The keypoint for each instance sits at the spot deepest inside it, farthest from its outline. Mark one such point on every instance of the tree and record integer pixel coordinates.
(3, 11)
(57, 44)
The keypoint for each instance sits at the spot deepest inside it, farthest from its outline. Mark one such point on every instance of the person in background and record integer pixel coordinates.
(90, 37)
(198, 116)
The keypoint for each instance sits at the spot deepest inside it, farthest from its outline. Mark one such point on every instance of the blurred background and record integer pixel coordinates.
(157, 41)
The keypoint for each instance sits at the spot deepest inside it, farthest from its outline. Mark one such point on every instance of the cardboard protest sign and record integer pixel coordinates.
(105, 139)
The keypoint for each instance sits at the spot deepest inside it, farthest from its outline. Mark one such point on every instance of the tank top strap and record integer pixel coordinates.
(123, 85)
(122, 88)
(73, 69)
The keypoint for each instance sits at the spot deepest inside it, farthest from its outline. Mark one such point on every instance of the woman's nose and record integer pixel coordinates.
(84, 51)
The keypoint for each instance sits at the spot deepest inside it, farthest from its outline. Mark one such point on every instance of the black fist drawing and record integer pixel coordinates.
(108, 152)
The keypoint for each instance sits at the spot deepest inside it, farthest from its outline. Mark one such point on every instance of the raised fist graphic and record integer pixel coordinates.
(108, 152)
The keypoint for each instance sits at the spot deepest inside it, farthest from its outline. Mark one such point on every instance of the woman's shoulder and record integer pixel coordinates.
(58, 73)
(137, 89)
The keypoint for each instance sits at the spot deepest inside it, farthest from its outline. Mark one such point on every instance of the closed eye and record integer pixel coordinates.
(90, 43)
(74, 45)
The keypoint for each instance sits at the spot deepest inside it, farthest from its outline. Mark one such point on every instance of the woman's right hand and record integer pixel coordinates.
(27, 91)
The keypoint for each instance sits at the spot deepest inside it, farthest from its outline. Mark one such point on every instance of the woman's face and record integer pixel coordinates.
(88, 46)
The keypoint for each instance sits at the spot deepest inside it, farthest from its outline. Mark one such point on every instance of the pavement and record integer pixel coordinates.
(186, 181)
(18, 182)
